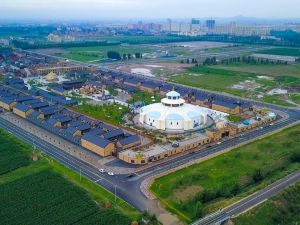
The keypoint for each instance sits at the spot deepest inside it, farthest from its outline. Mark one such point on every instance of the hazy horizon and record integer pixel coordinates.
(154, 9)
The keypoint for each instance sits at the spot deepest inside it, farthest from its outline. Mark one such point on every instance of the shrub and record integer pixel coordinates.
(257, 176)
(295, 157)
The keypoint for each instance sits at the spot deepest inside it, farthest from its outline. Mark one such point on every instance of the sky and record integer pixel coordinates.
(101, 9)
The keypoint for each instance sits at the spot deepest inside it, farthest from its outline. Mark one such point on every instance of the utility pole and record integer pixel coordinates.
(115, 193)
(80, 173)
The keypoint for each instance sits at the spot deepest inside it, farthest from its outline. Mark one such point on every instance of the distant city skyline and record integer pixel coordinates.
(134, 9)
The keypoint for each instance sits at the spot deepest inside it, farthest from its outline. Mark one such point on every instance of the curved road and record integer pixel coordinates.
(128, 189)
(250, 201)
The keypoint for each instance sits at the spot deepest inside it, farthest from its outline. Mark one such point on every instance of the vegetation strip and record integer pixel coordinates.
(219, 183)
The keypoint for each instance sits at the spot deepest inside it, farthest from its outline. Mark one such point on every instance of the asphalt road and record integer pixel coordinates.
(111, 183)
(125, 188)
(128, 189)
(250, 201)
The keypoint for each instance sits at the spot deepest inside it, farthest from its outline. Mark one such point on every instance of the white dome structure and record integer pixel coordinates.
(173, 114)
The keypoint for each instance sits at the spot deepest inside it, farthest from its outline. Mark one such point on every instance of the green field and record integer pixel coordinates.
(263, 77)
(45, 192)
(269, 70)
(213, 79)
(111, 113)
(205, 187)
(282, 209)
(48, 198)
(10, 159)
(87, 54)
(144, 96)
(282, 51)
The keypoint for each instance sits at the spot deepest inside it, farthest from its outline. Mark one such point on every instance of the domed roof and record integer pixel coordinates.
(193, 114)
(155, 114)
(173, 94)
(174, 116)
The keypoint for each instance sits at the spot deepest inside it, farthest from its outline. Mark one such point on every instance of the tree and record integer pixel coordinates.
(257, 176)
(295, 157)
(113, 55)
(129, 56)
(138, 55)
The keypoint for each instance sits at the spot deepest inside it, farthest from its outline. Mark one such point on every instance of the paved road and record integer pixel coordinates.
(129, 189)
(250, 201)
(213, 149)
(112, 184)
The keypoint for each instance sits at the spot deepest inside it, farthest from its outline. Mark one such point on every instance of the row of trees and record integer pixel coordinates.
(116, 55)
(244, 59)
(250, 60)
(28, 45)
(189, 60)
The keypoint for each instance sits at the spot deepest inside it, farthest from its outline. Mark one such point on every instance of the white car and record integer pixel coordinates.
(110, 173)
(101, 170)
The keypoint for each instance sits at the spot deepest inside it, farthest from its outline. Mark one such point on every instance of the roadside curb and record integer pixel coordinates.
(146, 184)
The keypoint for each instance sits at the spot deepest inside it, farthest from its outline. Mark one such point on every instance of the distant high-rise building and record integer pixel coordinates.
(210, 24)
(195, 21)
(169, 24)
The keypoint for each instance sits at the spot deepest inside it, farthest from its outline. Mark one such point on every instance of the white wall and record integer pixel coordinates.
(174, 124)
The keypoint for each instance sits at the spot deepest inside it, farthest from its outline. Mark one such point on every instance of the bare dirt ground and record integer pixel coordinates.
(51, 51)
(187, 192)
(162, 70)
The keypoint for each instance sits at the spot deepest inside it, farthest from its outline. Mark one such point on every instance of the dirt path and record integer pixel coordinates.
(165, 217)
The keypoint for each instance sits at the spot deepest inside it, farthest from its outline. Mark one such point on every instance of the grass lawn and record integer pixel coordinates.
(144, 96)
(111, 113)
(282, 51)
(282, 209)
(202, 188)
(295, 97)
(46, 192)
(112, 90)
(234, 118)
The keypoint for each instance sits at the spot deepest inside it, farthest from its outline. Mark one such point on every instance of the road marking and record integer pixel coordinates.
(96, 181)
(278, 184)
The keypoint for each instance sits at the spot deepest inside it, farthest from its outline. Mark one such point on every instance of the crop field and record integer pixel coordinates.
(282, 209)
(205, 187)
(282, 51)
(245, 80)
(50, 199)
(46, 192)
(10, 157)
(111, 113)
